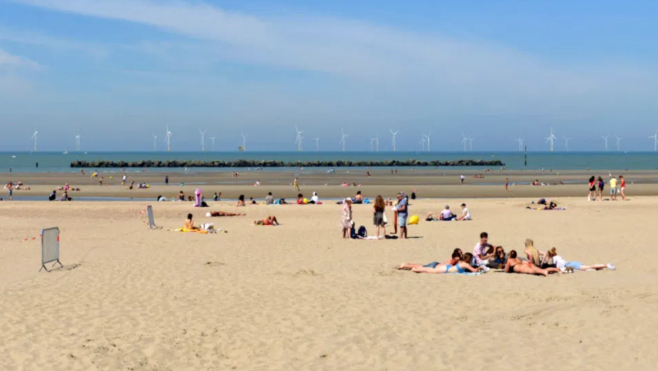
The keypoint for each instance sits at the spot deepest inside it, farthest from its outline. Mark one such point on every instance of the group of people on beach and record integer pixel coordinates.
(400, 210)
(617, 187)
(486, 256)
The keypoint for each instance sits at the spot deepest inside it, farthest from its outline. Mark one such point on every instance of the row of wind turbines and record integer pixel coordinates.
(425, 142)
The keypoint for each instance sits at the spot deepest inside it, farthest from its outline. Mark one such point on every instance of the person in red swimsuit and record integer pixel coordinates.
(623, 187)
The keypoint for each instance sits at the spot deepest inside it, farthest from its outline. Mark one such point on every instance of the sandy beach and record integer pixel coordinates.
(298, 297)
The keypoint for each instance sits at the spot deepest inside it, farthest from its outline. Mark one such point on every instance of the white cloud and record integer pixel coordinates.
(482, 74)
(52, 43)
(10, 60)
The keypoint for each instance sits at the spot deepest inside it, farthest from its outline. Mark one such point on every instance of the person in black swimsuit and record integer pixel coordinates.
(515, 265)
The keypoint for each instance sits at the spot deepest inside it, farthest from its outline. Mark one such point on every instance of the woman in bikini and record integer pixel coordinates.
(515, 265)
(457, 255)
(463, 266)
(224, 213)
(189, 223)
(271, 220)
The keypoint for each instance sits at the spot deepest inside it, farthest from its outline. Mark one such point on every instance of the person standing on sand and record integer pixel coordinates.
(378, 215)
(601, 187)
(123, 182)
(462, 179)
(613, 188)
(295, 184)
(623, 187)
(403, 212)
(166, 179)
(592, 189)
(506, 184)
(100, 182)
(346, 218)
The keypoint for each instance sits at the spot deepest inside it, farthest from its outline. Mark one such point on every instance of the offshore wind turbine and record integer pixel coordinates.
(618, 143)
(470, 142)
(655, 141)
(168, 139)
(520, 140)
(428, 141)
(372, 144)
(212, 140)
(342, 139)
(298, 140)
(203, 140)
(77, 142)
(317, 144)
(422, 143)
(34, 136)
(394, 135)
(155, 142)
(606, 141)
(377, 143)
(551, 139)
(465, 142)
(244, 142)
(566, 143)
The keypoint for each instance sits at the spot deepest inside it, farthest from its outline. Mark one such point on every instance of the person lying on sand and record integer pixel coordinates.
(457, 255)
(515, 265)
(552, 258)
(223, 213)
(189, 223)
(462, 266)
(271, 220)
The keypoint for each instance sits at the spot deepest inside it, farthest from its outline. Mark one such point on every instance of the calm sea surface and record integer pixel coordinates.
(58, 162)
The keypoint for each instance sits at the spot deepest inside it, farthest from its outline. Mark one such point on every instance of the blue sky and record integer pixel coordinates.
(120, 71)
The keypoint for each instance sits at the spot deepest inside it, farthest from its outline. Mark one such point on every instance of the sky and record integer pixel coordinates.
(118, 72)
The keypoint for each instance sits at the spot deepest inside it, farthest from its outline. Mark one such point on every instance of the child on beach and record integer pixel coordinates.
(378, 215)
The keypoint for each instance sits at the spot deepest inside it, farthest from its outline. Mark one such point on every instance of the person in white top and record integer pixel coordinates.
(466, 215)
(315, 199)
(446, 214)
(552, 258)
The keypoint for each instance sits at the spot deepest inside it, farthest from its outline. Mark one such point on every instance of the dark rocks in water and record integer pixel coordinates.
(252, 163)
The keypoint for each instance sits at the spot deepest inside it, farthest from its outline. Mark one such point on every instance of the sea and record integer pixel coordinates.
(58, 162)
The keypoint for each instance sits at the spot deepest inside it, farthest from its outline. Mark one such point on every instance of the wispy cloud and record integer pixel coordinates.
(432, 70)
(50, 42)
(10, 60)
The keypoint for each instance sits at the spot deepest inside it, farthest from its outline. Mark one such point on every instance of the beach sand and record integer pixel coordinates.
(298, 297)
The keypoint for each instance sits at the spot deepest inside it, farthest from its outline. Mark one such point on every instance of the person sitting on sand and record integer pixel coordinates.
(551, 206)
(515, 265)
(271, 220)
(300, 199)
(269, 199)
(499, 259)
(252, 201)
(181, 196)
(358, 199)
(466, 215)
(463, 266)
(483, 251)
(457, 255)
(552, 258)
(533, 255)
(53, 196)
(388, 202)
(189, 223)
(223, 213)
(241, 201)
(315, 199)
(446, 214)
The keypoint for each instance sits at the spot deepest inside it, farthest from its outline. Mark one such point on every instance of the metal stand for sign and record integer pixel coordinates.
(50, 248)
(152, 225)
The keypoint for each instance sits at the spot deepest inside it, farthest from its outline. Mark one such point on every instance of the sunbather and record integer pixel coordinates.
(189, 223)
(515, 265)
(457, 255)
(271, 220)
(224, 213)
(553, 258)
(533, 255)
(463, 266)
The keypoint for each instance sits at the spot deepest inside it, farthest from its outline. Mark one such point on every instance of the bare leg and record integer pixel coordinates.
(409, 266)
(623, 195)
(428, 270)
(379, 228)
(274, 221)
(344, 232)
(595, 266)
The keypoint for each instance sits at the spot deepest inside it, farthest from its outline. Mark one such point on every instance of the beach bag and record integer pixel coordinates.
(384, 218)
(353, 234)
(363, 233)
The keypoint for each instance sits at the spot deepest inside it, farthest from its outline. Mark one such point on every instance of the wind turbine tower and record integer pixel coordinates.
(465, 142)
(203, 140)
(428, 141)
(394, 135)
(618, 143)
(34, 136)
(605, 138)
(566, 143)
(520, 140)
(422, 143)
(168, 139)
(342, 139)
(212, 140)
(470, 143)
(551, 139)
(298, 140)
(244, 142)
(655, 141)
(77, 142)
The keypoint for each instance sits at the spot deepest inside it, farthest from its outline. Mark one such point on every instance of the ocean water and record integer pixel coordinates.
(59, 162)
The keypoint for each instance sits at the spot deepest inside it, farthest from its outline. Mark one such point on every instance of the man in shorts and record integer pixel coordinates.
(613, 188)
(403, 211)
